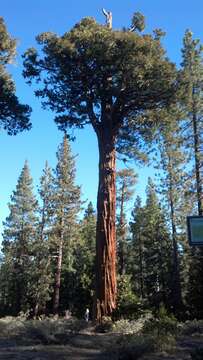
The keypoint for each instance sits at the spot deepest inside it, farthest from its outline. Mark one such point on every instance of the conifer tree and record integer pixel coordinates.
(158, 249)
(151, 242)
(14, 117)
(41, 291)
(95, 75)
(192, 76)
(67, 206)
(125, 181)
(19, 235)
(46, 192)
(174, 188)
(192, 72)
(84, 263)
(137, 249)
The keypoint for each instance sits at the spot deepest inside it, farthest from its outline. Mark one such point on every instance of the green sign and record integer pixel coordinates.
(195, 230)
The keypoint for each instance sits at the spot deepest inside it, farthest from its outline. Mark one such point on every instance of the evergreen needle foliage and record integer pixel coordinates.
(14, 117)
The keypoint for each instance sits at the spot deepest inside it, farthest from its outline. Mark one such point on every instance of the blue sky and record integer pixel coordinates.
(25, 20)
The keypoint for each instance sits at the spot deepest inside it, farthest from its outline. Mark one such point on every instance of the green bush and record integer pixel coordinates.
(163, 329)
(162, 324)
(131, 347)
(125, 326)
(128, 305)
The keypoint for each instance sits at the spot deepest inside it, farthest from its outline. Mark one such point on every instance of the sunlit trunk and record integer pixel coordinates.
(106, 232)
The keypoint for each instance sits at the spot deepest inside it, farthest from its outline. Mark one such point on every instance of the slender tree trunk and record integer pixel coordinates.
(106, 232)
(197, 162)
(56, 296)
(176, 285)
(162, 270)
(122, 234)
(141, 277)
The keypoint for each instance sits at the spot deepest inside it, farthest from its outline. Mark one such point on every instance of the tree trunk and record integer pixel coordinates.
(106, 232)
(176, 285)
(197, 162)
(122, 233)
(141, 275)
(56, 296)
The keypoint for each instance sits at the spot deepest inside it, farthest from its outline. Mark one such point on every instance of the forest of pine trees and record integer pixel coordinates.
(51, 257)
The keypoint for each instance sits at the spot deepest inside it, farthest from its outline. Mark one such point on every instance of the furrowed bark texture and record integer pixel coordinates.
(106, 232)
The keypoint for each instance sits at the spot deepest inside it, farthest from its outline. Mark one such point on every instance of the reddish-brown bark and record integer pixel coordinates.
(106, 232)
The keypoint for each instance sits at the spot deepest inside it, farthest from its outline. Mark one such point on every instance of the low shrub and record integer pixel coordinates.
(47, 331)
(163, 329)
(131, 347)
(162, 324)
(125, 326)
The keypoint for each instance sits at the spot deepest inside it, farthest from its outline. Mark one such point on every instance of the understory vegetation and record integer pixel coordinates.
(120, 340)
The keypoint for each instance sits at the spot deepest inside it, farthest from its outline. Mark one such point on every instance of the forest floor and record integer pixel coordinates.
(20, 342)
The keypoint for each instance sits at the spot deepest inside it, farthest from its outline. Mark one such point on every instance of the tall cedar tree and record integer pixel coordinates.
(19, 234)
(193, 78)
(14, 117)
(67, 205)
(103, 77)
(125, 181)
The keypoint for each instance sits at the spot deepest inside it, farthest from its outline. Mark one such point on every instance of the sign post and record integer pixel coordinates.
(195, 230)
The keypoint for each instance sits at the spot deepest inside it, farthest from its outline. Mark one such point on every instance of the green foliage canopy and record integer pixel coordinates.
(91, 72)
(14, 117)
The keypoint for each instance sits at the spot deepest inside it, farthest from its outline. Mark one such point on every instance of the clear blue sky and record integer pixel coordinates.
(25, 19)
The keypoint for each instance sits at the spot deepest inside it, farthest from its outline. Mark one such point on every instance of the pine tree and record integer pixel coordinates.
(46, 192)
(84, 263)
(158, 250)
(19, 235)
(67, 206)
(175, 188)
(93, 74)
(14, 117)
(125, 181)
(43, 277)
(152, 248)
(192, 75)
(137, 249)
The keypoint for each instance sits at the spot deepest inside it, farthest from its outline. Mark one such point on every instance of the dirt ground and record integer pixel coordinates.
(77, 347)
(82, 346)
